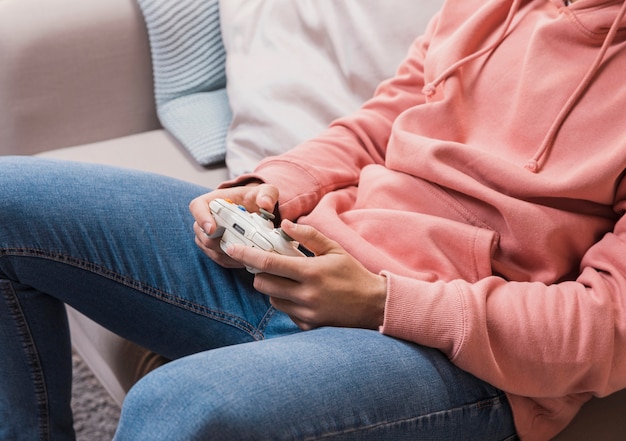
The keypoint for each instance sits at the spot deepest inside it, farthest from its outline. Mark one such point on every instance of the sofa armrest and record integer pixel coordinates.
(72, 72)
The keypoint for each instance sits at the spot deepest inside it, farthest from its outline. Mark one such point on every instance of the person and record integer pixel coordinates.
(468, 278)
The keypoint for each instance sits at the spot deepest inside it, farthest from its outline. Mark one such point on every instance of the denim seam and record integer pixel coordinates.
(32, 357)
(271, 311)
(154, 292)
(482, 404)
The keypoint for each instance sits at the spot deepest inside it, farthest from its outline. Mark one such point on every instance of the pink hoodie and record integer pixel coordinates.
(486, 182)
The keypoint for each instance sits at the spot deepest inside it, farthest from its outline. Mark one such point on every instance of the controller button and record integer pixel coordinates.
(262, 242)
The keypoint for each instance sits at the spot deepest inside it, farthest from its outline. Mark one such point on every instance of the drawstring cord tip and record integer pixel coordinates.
(532, 166)
(428, 90)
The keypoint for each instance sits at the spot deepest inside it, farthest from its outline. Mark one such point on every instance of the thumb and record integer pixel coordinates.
(267, 197)
(310, 238)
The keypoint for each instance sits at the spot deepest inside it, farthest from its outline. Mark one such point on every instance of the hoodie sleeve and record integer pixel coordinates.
(334, 159)
(527, 338)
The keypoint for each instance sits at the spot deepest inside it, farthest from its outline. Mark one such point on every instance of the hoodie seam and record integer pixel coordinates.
(458, 207)
(319, 188)
(464, 324)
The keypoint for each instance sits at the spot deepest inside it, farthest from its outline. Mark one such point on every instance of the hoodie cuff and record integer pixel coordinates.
(431, 314)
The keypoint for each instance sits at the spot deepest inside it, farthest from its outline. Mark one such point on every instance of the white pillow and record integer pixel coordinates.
(292, 66)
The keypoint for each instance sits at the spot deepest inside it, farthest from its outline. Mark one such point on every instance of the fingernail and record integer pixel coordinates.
(229, 249)
(207, 228)
(267, 199)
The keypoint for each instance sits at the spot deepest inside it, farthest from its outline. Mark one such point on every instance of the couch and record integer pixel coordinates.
(76, 82)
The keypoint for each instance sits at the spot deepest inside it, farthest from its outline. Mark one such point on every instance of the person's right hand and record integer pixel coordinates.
(252, 196)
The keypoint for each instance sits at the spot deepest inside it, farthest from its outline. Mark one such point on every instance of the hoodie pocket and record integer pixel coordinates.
(419, 245)
(454, 250)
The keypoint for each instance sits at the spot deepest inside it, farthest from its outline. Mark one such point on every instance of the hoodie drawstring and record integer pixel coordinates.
(429, 89)
(533, 163)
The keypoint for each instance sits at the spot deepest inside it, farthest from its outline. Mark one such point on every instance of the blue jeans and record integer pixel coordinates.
(118, 246)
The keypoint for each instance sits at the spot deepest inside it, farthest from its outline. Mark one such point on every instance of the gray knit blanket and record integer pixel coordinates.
(188, 60)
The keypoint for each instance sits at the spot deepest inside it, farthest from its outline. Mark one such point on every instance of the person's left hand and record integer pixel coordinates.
(330, 289)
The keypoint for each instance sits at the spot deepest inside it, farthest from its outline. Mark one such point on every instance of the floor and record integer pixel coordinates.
(95, 413)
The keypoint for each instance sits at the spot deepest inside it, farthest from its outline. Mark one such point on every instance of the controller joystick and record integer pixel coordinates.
(238, 226)
(266, 214)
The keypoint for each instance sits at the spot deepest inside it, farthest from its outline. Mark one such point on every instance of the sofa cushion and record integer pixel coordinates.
(155, 151)
(295, 65)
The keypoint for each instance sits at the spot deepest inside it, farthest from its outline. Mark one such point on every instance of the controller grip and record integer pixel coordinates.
(219, 232)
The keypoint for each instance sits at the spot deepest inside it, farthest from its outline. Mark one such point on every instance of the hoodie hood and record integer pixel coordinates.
(595, 17)
(604, 21)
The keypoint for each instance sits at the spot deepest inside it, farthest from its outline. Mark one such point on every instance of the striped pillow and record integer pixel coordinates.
(188, 60)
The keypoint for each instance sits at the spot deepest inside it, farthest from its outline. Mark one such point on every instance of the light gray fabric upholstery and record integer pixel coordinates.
(72, 72)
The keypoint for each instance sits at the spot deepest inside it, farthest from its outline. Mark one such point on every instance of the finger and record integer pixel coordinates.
(201, 212)
(297, 313)
(211, 247)
(207, 240)
(310, 238)
(267, 197)
(202, 235)
(301, 315)
(218, 256)
(199, 206)
(264, 261)
(278, 287)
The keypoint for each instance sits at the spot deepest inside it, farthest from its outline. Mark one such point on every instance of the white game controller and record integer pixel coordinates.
(238, 226)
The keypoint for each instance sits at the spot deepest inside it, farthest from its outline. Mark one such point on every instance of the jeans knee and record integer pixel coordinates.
(172, 404)
(166, 404)
(146, 401)
(21, 189)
